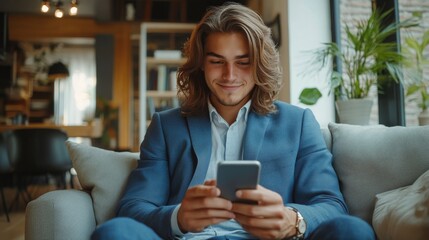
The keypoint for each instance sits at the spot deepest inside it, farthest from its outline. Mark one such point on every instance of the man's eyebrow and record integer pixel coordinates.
(220, 56)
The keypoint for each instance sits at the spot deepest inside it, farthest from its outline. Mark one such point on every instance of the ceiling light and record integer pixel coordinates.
(45, 6)
(59, 13)
(73, 7)
(59, 10)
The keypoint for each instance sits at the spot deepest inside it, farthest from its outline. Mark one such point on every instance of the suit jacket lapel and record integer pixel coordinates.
(254, 135)
(200, 131)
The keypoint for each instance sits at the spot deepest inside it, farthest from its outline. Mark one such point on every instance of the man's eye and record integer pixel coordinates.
(215, 62)
(244, 63)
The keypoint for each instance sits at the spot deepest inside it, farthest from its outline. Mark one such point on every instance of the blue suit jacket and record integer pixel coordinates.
(175, 155)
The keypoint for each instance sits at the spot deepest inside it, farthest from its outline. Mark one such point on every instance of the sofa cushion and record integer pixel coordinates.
(374, 159)
(327, 137)
(103, 173)
(403, 213)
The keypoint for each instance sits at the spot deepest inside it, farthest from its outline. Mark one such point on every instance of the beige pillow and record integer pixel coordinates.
(403, 213)
(104, 174)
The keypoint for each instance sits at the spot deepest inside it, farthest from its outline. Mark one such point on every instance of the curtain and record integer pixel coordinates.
(75, 95)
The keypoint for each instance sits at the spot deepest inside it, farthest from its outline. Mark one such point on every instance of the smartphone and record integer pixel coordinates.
(233, 175)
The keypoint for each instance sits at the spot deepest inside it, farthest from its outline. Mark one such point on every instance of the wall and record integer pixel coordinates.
(406, 10)
(305, 25)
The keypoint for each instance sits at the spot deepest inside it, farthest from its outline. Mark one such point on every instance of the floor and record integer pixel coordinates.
(15, 229)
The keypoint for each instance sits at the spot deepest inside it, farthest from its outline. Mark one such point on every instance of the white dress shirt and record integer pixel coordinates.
(227, 144)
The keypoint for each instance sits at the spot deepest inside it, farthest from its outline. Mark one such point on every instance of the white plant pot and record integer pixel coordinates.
(424, 117)
(354, 111)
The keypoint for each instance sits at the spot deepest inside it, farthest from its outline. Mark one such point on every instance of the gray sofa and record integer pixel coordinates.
(377, 168)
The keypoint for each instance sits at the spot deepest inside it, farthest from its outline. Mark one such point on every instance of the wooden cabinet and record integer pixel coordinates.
(41, 103)
(160, 47)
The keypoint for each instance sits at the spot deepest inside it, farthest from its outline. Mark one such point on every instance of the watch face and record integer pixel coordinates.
(302, 226)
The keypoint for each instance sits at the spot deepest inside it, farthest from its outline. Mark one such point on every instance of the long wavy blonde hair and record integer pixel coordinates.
(264, 58)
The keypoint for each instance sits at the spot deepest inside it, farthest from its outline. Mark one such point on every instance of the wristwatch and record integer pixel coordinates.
(300, 225)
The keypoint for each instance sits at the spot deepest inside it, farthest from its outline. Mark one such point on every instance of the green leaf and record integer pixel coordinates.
(336, 79)
(412, 89)
(425, 40)
(309, 96)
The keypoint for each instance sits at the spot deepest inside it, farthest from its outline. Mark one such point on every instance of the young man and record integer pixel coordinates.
(230, 82)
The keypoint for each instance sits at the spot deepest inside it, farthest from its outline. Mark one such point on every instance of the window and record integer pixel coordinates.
(407, 9)
(351, 10)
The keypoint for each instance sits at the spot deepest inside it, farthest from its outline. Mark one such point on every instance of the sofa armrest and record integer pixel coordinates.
(60, 213)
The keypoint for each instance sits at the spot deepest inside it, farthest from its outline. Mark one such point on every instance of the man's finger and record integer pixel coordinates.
(202, 191)
(210, 182)
(261, 195)
(202, 214)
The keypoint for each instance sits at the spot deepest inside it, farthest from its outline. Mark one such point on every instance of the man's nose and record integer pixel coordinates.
(229, 71)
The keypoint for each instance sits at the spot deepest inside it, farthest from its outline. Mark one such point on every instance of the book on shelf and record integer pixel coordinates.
(152, 82)
(167, 54)
(175, 102)
(162, 78)
(173, 80)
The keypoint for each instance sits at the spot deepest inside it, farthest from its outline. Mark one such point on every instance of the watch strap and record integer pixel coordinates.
(299, 235)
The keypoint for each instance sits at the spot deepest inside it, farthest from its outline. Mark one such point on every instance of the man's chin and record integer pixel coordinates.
(232, 103)
(229, 100)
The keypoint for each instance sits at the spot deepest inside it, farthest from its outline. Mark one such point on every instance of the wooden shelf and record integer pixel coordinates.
(47, 89)
(16, 106)
(151, 61)
(39, 114)
(161, 94)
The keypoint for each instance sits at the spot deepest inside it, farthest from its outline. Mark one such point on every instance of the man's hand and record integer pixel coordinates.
(270, 219)
(202, 207)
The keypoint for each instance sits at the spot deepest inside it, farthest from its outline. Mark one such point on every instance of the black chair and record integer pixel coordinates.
(6, 170)
(39, 152)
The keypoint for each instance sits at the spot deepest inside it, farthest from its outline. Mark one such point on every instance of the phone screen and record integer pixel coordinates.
(235, 175)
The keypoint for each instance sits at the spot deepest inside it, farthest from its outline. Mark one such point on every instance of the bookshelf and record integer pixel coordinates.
(160, 51)
(29, 99)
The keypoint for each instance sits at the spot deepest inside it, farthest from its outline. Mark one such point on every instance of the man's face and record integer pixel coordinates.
(227, 69)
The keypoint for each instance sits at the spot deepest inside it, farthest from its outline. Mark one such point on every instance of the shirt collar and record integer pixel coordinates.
(214, 115)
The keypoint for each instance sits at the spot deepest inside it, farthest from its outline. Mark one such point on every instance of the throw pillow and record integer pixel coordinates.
(374, 159)
(103, 173)
(403, 213)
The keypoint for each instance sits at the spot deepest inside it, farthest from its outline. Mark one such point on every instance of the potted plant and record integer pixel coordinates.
(366, 59)
(415, 82)
(108, 112)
